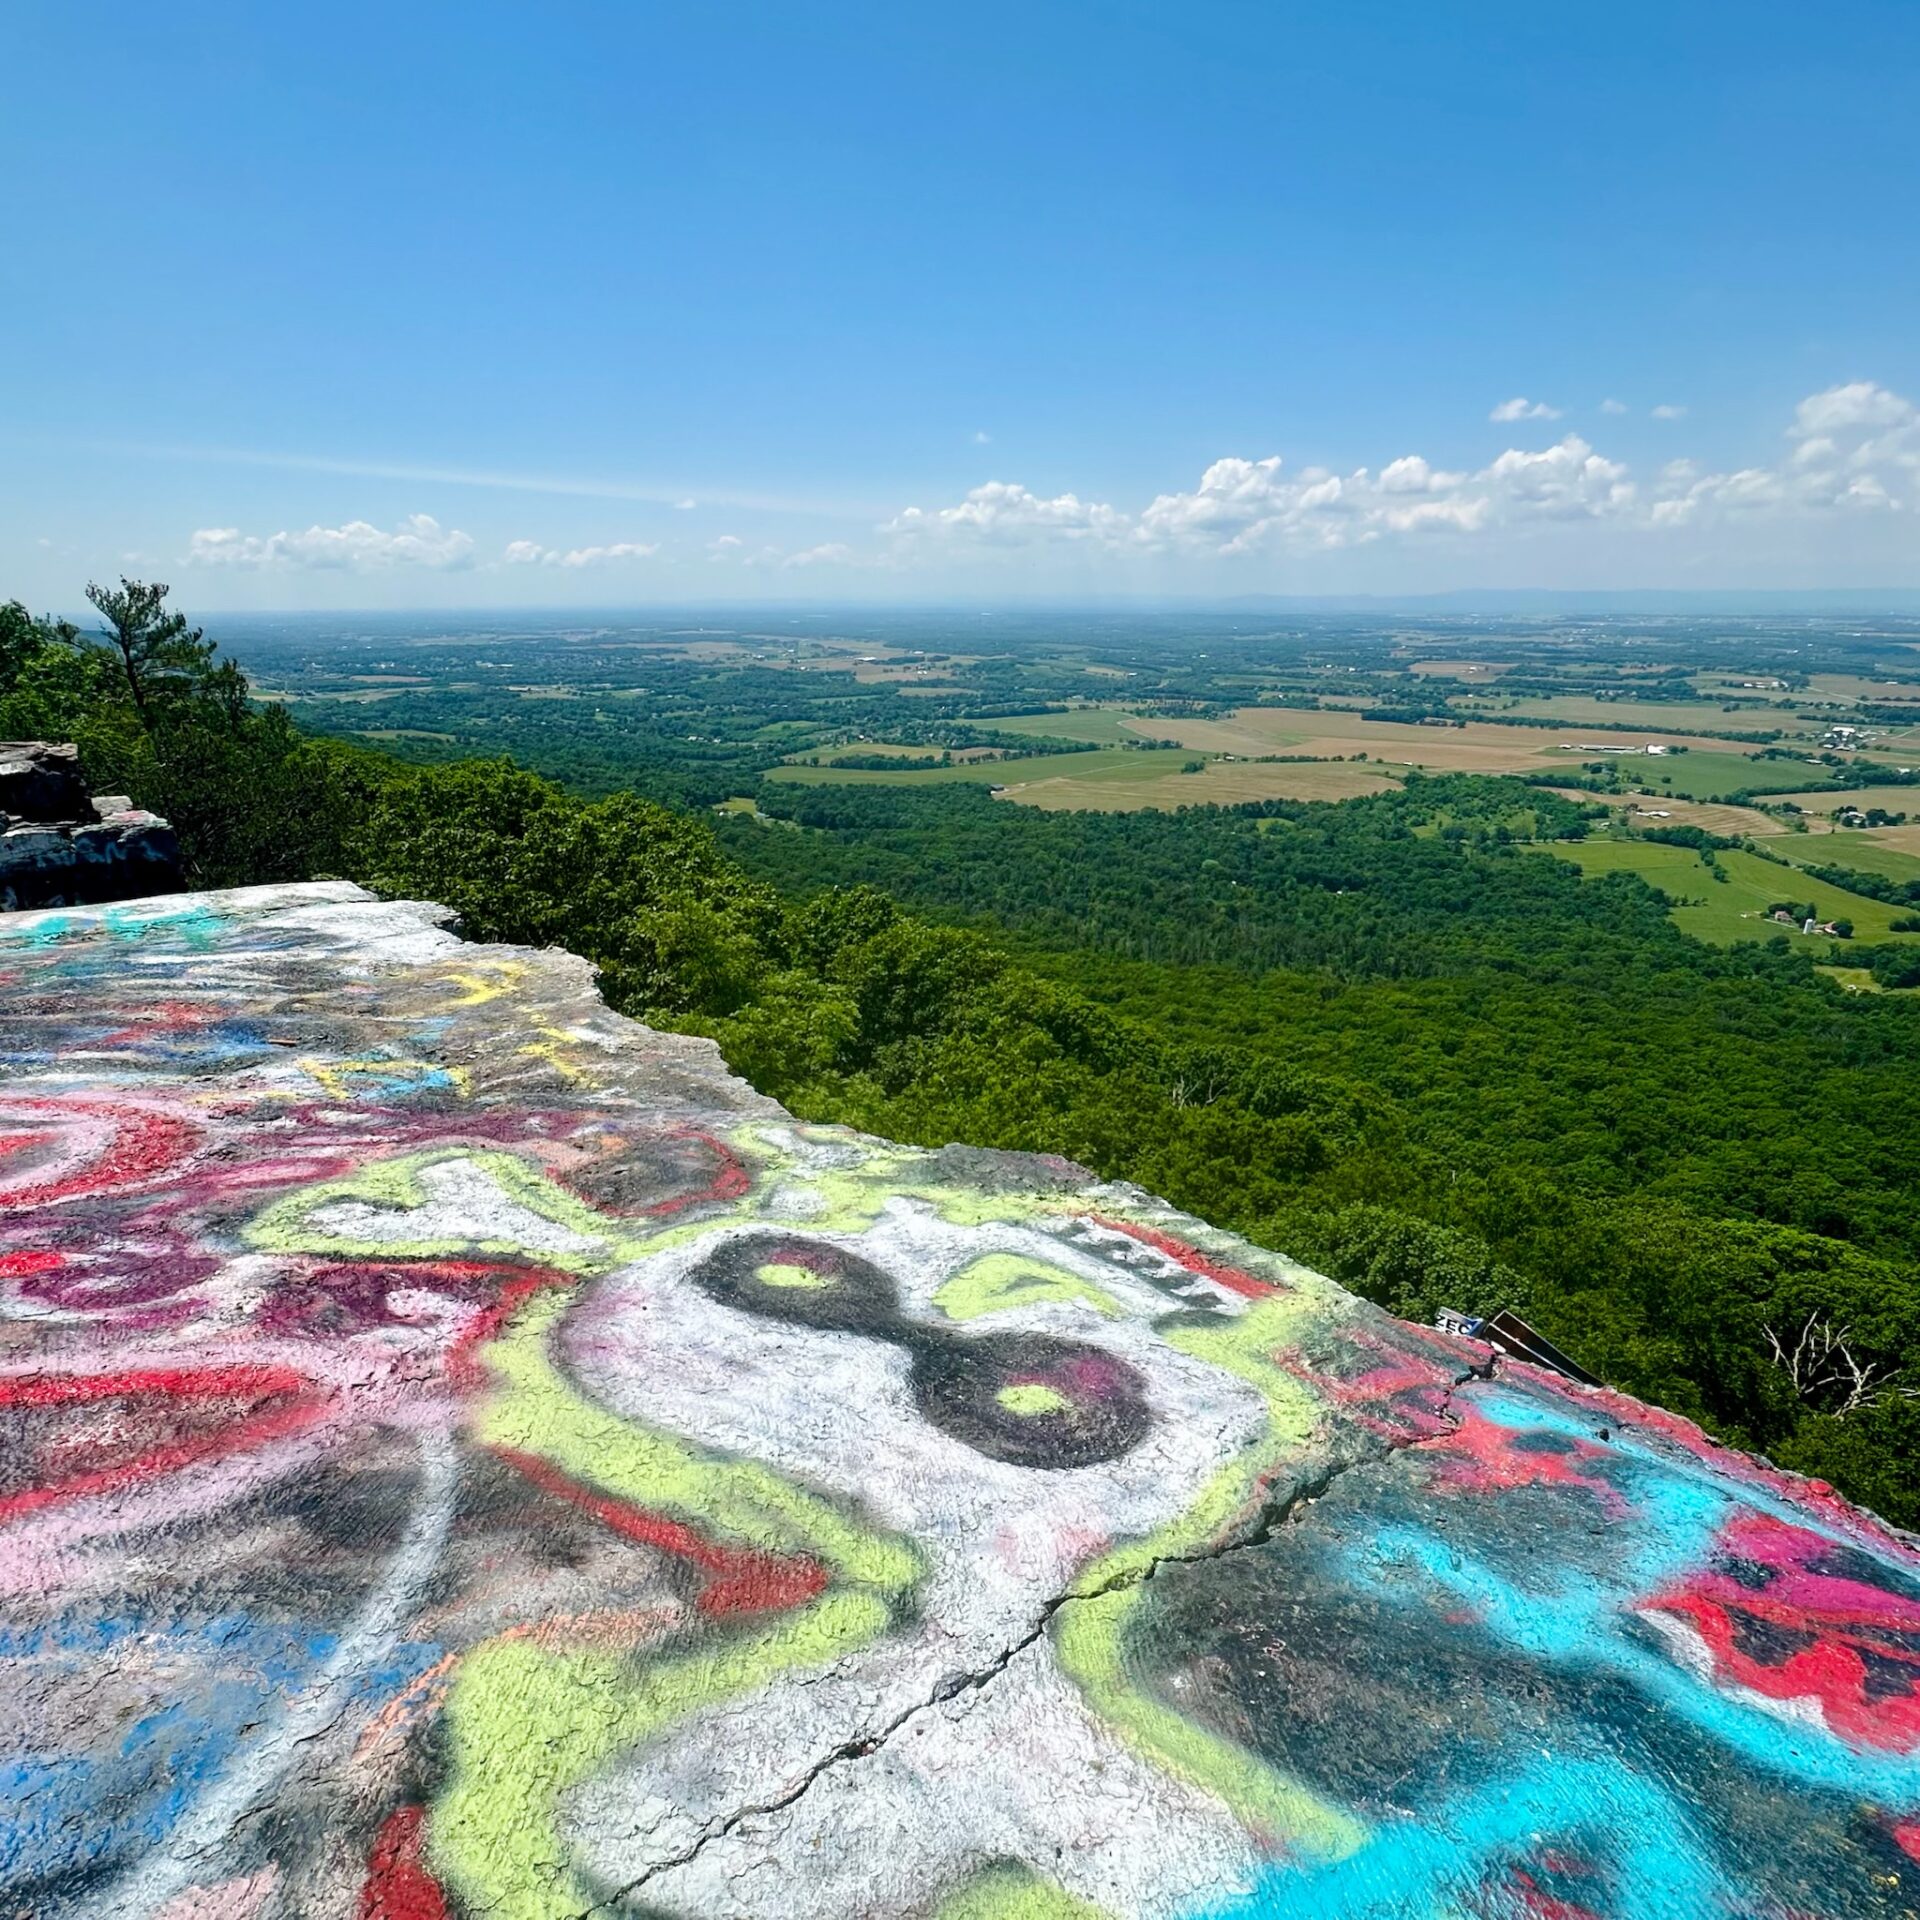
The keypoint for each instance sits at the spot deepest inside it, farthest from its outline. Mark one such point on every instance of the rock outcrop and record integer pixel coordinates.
(468, 1454)
(60, 848)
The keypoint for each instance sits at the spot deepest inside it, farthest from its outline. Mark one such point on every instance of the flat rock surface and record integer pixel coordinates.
(467, 1454)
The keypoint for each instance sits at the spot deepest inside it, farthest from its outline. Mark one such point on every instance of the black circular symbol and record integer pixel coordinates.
(1025, 1398)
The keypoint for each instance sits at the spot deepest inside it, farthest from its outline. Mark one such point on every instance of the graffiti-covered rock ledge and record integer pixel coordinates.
(469, 1455)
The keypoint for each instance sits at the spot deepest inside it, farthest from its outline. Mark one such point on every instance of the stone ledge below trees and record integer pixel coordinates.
(60, 848)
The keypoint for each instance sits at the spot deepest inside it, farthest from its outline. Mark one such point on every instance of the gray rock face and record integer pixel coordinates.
(59, 848)
(463, 1453)
(41, 782)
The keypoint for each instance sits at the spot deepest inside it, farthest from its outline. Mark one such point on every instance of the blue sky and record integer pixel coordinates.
(437, 305)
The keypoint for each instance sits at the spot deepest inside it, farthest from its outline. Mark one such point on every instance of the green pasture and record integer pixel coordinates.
(1715, 773)
(884, 749)
(1861, 980)
(1101, 725)
(1114, 765)
(1847, 848)
(1725, 911)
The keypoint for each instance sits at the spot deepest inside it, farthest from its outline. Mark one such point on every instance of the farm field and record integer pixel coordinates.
(1708, 773)
(889, 750)
(1724, 912)
(1221, 783)
(1480, 746)
(1897, 747)
(1906, 839)
(1859, 980)
(1889, 799)
(1711, 816)
(1117, 778)
(1862, 848)
(1104, 726)
(1853, 686)
(1113, 765)
(1755, 714)
(905, 674)
(356, 696)
(1332, 740)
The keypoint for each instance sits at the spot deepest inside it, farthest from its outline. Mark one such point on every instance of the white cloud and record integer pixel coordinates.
(1567, 481)
(685, 506)
(1685, 494)
(1860, 405)
(983, 438)
(1462, 515)
(1613, 406)
(1850, 457)
(356, 547)
(1856, 450)
(1242, 506)
(999, 514)
(1669, 412)
(530, 553)
(1411, 474)
(1233, 494)
(1856, 442)
(1521, 408)
(1853, 449)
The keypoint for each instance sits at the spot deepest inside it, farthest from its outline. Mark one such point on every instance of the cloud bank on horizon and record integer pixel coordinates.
(1850, 458)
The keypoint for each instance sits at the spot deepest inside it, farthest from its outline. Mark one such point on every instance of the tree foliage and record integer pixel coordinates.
(159, 716)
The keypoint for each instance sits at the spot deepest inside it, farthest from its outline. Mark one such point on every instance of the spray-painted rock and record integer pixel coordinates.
(466, 1454)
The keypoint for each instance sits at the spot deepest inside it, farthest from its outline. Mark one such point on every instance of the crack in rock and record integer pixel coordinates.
(1274, 1513)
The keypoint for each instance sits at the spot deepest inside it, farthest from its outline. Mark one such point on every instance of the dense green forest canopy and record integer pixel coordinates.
(1531, 1017)
(1391, 1036)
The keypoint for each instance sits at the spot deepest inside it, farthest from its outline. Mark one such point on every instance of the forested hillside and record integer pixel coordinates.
(1534, 1018)
(1389, 1036)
